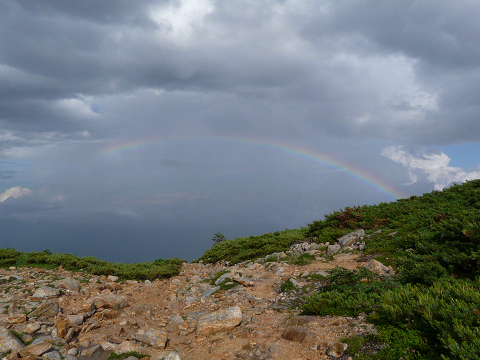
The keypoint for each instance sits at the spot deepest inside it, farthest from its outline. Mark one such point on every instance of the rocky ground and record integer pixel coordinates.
(207, 312)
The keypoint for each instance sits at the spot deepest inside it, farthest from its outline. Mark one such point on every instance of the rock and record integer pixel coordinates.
(70, 357)
(336, 349)
(295, 333)
(32, 327)
(52, 355)
(9, 341)
(128, 346)
(90, 351)
(131, 358)
(259, 352)
(107, 300)
(45, 311)
(189, 300)
(73, 351)
(76, 319)
(44, 292)
(222, 278)
(112, 278)
(12, 356)
(69, 283)
(321, 272)
(108, 346)
(221, 320)
(173, 355)
(156, 338)
(207, 293)
(242, 281)
(333, 249)
(35, 349)
(62, 327)
(17, 318)
(69, 335)
(378, 268)
(350, 238)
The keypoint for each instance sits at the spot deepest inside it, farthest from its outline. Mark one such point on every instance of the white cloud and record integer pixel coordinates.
(80, 108)
(15, 192)
(432, 163)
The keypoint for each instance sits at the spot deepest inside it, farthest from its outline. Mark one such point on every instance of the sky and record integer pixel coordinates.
(135, 130)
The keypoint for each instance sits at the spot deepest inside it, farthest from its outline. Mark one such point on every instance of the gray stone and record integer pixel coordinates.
(128, 346)
(9, 341)
(156, 338)
(69, 283)
(173, 355)
(207, 293)
(73, 351)
(378, 268)
(350, 238)
(107, 300)
(189, 300)
(90, 351)
(76, 319)
(221, 320)
(44, 292)
(70, 357)
(222, 278)
(52, 355)
(45, 311)
(32, 327)
(35, 349)
(333, 249)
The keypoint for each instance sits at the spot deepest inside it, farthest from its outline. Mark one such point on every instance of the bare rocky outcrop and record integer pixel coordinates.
(185, 317)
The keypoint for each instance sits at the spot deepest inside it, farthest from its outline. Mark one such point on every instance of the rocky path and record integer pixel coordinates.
(242, 315)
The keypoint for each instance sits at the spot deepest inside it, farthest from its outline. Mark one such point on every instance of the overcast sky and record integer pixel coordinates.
(135, 130)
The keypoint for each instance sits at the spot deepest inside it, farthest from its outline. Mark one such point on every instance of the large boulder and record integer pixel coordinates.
(221, 320)
(350, 238)
(156, 338)
(45, 311)
(69, 283)
(9, 342)
(107, 300)
(44, 292)
(35, 349)
(333, 249)
(378, 268)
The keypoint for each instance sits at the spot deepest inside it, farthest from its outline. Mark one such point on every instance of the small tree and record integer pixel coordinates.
(218, 237)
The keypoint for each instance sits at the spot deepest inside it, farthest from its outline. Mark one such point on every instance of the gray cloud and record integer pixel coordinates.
(213, 112)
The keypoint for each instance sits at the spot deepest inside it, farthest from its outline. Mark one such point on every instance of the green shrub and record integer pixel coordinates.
(250, 248)
(158, 269)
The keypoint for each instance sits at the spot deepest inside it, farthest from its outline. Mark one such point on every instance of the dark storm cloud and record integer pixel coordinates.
(440, 33)
(222, 114)
(7, 174)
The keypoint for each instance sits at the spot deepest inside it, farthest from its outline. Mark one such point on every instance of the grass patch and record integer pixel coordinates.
(301, 260)
(158, 269)
(288, 286)
(123, 356)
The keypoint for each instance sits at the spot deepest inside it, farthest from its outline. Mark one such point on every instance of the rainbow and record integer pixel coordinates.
(311, 156)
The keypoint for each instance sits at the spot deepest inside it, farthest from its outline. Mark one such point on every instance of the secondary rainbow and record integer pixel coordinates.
(312, 156)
